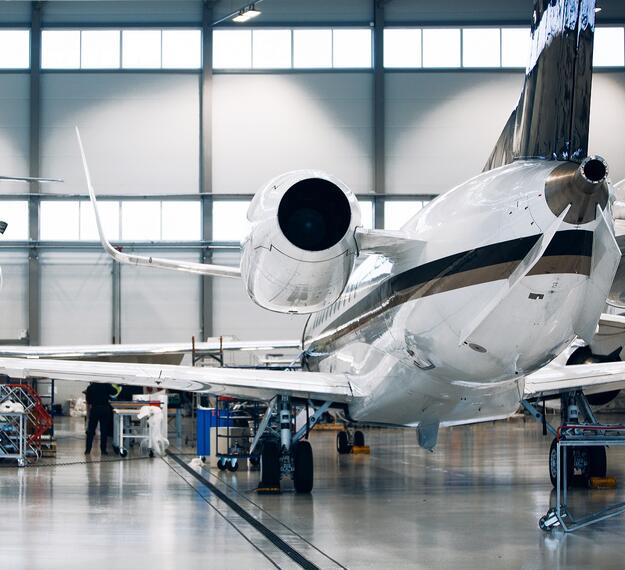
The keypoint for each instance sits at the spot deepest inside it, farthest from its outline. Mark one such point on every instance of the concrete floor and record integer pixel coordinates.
(473, 503)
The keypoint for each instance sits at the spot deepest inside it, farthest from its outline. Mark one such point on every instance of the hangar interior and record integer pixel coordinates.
(184, 114)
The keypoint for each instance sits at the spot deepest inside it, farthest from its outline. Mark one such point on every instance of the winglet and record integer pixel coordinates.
(131, 259)
(103, 240)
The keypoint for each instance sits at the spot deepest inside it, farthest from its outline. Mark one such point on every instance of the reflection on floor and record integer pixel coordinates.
(473, 503)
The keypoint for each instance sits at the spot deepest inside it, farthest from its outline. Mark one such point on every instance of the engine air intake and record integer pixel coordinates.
(314, 214)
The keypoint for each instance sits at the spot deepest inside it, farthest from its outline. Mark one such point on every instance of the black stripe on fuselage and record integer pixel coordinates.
(475, 266)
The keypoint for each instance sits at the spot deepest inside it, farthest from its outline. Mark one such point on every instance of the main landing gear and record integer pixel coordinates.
(582, 462)
(284, 451)
(350, 442)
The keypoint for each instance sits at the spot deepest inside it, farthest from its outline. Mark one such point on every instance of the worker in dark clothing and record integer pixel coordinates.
(99, 411)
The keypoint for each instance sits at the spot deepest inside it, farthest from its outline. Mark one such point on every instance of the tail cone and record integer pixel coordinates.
(584, 186)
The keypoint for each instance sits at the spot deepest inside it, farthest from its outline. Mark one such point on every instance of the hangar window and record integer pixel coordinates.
(481, 47)
(351, 48)
(402, 47)
(181, 220)
(441, 47)
(182, 49)
(141, 49)
(230, 220)
(14, 49)
(271, 49)
(398, 212)
(515, 46)
(60, 49)
(15, 214)
(141, 220)
(109, 216)
(312, 48)
(59, 220)
(609, 48)
(99, 49)
(366, 212)
(232, 49)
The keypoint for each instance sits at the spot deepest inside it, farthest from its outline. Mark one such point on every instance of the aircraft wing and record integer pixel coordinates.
(245, 383)
(556, 378)
(594, 378)
(86, 352)
(146, 260)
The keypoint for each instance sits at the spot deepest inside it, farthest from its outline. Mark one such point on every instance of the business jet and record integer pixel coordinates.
(490, 296)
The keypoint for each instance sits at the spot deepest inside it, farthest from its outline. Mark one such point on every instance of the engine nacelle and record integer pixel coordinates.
(301, 248)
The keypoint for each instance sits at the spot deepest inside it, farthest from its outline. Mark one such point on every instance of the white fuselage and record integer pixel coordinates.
(398, 328)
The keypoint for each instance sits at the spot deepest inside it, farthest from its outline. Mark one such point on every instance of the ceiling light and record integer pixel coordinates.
(246, 14)
(597, 10)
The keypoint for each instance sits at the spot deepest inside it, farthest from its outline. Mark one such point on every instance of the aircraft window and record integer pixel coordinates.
(481, 47)
(14, 49)
(514, 47)
(609, 48)
(441, 47)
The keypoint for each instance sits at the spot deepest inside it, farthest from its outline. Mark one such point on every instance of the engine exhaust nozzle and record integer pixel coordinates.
(584, 186)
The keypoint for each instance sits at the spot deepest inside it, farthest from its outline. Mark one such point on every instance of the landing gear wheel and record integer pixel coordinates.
(303, 467)
(598, 464)
(221, 464)
(232, 465)
(342, 443)
(359, 439)
(270, 465)
(553, 464)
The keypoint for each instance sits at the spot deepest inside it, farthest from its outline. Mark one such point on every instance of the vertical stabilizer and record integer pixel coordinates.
(552, 118)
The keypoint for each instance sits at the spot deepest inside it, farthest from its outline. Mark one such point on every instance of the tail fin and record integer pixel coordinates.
(552, 118)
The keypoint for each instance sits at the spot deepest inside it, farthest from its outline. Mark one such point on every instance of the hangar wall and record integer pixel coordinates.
(142, 135)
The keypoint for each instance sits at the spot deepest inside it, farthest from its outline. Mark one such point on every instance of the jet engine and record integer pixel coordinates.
(301, 248)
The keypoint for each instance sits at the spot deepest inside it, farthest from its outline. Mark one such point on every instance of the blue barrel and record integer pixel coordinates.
(205, 420)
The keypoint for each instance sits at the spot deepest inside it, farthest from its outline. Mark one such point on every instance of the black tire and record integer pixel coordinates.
(123, 452)
(270, 464)
(254, 460)
(342, 443)
(232, 466)
(221, 464)
(303, 467)
(598, 463)
(553, 469)
(359, 439)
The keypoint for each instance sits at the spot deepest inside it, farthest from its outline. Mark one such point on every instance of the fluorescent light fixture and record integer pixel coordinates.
(246, 14)
(598, 9)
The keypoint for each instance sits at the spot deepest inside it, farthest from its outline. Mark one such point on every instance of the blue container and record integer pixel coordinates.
(205, 421)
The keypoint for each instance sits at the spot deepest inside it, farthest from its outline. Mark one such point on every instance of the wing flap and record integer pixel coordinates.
(235, 382)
